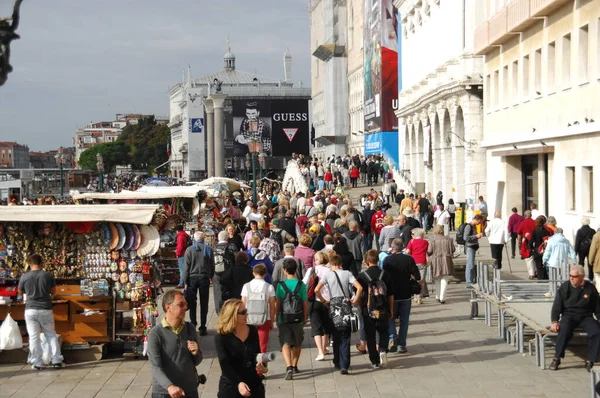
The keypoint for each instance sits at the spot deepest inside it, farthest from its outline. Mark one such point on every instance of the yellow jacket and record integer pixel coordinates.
(594, 256)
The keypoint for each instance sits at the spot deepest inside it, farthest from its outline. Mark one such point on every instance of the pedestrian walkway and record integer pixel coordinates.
(449, 356)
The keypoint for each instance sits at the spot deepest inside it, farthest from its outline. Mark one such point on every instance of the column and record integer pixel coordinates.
(219, 137)
(210, 138)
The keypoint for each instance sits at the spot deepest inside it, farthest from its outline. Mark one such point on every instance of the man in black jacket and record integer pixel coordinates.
(405, 229)
(402, 268)
(575, 305)
(288, 224)
(583, 242)
(224, 254)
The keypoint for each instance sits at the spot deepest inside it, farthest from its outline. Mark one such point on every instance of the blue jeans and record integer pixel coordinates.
(44, 319)
(367, 242)
(470, 265)
(423, 220)
(341, 349)
(180, 263)
(401, 311)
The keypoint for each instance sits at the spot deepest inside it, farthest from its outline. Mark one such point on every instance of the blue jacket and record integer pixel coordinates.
(558, 251)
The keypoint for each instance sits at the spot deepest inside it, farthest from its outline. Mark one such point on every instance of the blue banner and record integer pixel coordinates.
(385, 144)
(197, 125)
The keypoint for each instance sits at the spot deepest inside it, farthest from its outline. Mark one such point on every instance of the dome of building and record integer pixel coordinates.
(229, 60)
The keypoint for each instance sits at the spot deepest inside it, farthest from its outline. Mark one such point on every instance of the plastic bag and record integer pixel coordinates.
(46, 352)
(10, 335)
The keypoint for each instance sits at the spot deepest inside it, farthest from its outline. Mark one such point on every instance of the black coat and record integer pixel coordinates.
(585, 232)
(233, 279)
(401, 267)
(347, 257)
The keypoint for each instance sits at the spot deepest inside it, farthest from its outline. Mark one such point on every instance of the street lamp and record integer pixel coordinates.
(261, 162)
(255, 146)
(100, 167)
(61, 159)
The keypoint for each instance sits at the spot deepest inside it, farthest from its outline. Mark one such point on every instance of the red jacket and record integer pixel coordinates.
(182, 243)
(377, 222)
(328, 176)
(301, 221)
(354, 173)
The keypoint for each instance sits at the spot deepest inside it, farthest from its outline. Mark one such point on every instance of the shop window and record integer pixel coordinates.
(570, 188)
(583, 54)
(566, 61)
(587, 195)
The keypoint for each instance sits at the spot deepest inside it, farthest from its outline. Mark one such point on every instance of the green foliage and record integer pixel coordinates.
(148, 142)
(113, 153)
(144, 143)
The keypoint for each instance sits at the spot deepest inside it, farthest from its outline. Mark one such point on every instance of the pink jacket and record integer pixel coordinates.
(306, 254)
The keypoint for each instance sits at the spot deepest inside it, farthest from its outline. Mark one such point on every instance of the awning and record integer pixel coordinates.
(525, 151)
(133, 214)
(146, 193)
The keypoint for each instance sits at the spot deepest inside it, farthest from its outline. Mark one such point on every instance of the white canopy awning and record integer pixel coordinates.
(133, 214)
(146, 193)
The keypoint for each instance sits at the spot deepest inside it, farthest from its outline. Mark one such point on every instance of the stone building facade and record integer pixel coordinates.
(542, 109)
(440, 104)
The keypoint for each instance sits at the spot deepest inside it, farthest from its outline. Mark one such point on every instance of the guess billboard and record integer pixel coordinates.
(291, 128)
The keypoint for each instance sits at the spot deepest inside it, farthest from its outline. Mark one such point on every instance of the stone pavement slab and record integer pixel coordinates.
(449, 355)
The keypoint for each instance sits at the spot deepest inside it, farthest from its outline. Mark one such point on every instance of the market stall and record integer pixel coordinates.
(102, 259)
(191, 206)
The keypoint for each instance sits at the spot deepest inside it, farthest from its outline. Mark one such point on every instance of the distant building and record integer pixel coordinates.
(236, 105)
(42, 160)
(13, 155)
(102, 132)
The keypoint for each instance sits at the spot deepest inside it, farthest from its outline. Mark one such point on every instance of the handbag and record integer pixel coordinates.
(340, 311)
(415, 287)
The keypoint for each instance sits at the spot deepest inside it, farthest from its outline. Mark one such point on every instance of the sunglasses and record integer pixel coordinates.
(243, 312)
(574, 276)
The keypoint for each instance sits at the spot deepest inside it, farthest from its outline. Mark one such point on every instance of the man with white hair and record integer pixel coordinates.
(583, 243)
(497, 234)
(289, 250)
(198, 270)
(575, 305)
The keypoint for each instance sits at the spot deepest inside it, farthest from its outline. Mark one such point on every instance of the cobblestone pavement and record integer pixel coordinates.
(449, 356)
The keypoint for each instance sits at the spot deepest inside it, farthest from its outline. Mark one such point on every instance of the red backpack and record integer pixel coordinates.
(313, 281)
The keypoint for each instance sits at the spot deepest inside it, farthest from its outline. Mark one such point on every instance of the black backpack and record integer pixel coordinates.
(222, 261)
(585, 245)
(292, 307)
(460, 234)
(277, 236)
(377, 297)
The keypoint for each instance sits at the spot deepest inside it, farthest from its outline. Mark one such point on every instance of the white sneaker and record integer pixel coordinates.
(383, 359)
(320, 358)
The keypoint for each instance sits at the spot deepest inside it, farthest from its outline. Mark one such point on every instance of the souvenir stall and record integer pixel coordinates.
(102, 259)
(192, 206)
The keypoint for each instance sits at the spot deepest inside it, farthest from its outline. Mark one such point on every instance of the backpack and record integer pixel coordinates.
(340, 311)
(377, 298)
(277, 236)
(542, 247)
(313, 281)
(257, 305)
(585, 245)
(222, 262)
(460, 234)
(379, 224)
(292, 308)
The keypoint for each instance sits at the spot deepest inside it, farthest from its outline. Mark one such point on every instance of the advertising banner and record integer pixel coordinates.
(197, 125)
(281, 124)
(373, 144)
(251, 120)
(381, 65)
(291, 128)
(372, 67)
(196, 137)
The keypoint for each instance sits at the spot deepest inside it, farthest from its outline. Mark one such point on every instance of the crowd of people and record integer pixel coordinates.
(315, 257)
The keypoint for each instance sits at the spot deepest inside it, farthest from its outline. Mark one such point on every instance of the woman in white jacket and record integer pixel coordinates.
(497, 233)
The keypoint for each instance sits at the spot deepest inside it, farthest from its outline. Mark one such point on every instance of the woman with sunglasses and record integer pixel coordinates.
(237, 345)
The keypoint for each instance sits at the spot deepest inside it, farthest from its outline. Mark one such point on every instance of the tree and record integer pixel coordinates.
(114, 154)
(148, 142)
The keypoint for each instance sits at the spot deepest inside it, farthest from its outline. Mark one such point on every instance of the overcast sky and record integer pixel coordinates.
(86, 60)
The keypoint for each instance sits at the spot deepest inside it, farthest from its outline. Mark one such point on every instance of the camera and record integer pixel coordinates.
(265, 357)
(201, 379)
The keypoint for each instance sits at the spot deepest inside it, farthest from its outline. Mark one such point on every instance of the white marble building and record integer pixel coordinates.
(440, 104)
(542, 108)
(189, 100)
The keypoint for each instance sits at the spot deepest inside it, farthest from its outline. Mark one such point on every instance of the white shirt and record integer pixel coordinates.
(255, 217)
(497, 232)
(387, 189)
(321, 271)
(301, 203)
(536, 213)
(247, 210)
(256, 286)
(443, 218)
